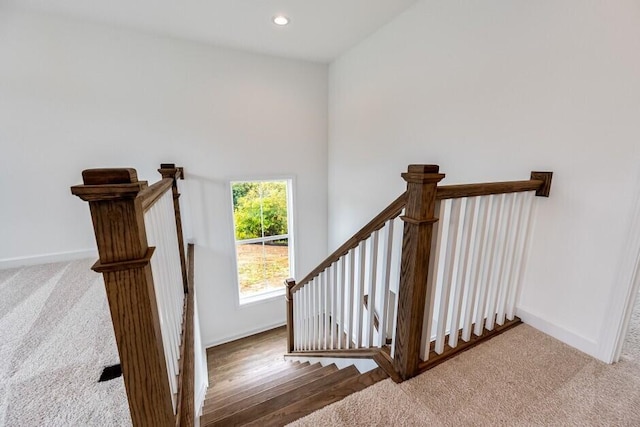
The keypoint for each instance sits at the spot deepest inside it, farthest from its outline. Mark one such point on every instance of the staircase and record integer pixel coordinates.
(251, 383)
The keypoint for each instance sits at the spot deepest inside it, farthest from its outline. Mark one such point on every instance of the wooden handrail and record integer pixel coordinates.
(390, 212)
(170, 171)
(540, 182)
(419, 203)
(152, 194)
(486, 189)
(185, 408)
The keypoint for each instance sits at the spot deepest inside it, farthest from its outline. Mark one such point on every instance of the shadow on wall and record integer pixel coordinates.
(207, 203)
(209, 224)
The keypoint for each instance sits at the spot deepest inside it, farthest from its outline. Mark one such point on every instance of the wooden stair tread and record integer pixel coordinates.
(247, 355)
(259, 384)
(254, 387)
(236, 405)
(230, 370)
(271, 336)
(221, 386)
(319, 400)
(282, 400)
(251, 382)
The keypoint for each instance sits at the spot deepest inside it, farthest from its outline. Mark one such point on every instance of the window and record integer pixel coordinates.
(263, 237)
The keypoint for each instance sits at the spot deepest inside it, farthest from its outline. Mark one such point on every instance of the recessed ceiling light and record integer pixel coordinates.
(280, 20)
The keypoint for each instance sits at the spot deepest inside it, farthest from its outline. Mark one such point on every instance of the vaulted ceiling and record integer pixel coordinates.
(320, 30)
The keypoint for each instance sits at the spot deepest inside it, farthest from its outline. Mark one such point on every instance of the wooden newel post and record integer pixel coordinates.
(289, 283)
(419, 218)
(118, 221)
(169, 170)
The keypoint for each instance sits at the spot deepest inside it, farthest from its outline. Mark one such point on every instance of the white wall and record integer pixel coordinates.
(75, 95)
(490, 91)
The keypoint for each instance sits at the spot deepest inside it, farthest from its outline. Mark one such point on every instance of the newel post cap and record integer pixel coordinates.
(169, 170)
(109, 176)
(289, 284)
(421, 174)
(108, 184)
(423, 169)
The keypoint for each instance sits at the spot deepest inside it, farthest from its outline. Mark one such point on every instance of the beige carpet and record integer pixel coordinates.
(520, 378)
(55, 338)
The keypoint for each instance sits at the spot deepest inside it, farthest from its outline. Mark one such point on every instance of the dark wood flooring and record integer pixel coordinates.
(250, 383)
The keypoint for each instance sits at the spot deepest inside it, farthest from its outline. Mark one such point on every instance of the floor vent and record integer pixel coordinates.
(110, 372)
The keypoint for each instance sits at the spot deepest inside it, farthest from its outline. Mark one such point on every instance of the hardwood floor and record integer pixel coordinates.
(250, 383)
(239, 362)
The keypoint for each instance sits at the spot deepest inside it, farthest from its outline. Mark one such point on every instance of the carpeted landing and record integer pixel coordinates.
(55, 338)
(520, 378)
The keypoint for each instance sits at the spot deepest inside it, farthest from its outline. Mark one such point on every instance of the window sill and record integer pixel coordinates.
(262, 297)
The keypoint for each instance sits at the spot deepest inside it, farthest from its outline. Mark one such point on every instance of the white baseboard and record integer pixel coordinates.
(244, 334)
(47, 258)
(200, 395)
(573, 339)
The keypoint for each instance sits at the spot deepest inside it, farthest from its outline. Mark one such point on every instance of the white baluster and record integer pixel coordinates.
(387, 251)
(308, 316)
(438, 245)
(312, 313)
(319, 319)
(342, 293)
(507, 260)
(296, 323)
(334, 303)
(352, 285)
(496, 256)
(362, 253)
(480, 216)
(447, 276)
(373, 267)
(319, 310)
(168, 285)
(325, 309)
(485, 267)
(521, 252)
(462, 268)
(398, 231)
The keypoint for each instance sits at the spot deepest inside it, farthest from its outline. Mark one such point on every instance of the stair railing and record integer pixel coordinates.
(477, 267)
(336, 291)
(149, 288)
(462, 259)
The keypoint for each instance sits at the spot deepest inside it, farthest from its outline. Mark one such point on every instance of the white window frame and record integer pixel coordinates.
(274, 293)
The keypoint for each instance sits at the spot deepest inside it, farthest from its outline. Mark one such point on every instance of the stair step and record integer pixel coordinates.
(257, 398)
(319, 400)
(261, 340)
(231, 370)
(232, 352)
(221, 386)
(256, 411)
(257, 385)
(247, 357)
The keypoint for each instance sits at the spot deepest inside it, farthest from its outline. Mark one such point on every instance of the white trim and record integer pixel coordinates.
(573, 339)
(244, 334)
(240, 301)
(262, 239)
(200, 396)
(625, 290)
(363, 365)
(261, 297)
(47, 258)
